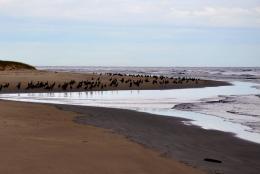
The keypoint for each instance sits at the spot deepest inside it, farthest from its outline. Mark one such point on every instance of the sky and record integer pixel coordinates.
(131, 32)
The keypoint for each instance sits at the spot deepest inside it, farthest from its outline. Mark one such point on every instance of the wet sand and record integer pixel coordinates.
(122, 82)
(173, 139)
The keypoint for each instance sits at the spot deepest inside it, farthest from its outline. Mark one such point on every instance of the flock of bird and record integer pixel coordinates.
(96, 83)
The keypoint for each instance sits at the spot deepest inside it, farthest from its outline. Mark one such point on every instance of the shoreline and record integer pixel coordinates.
(189, 144)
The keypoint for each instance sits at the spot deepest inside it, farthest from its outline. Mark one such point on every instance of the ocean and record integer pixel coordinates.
(251, 74)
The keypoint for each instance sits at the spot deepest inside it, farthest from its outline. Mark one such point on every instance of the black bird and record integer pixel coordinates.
(6, 85)
(72, 82)
(64, 86)
(79, 85)
(18, 86)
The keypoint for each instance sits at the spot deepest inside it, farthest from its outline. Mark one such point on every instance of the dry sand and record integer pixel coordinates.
(26, 76)
(37, 138)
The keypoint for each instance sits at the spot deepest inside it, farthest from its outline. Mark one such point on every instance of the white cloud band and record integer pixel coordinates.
(132, 11)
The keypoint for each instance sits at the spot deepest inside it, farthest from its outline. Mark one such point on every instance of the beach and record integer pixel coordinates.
(56, 138)
(44, 138)
(129, 87)
(38, 138)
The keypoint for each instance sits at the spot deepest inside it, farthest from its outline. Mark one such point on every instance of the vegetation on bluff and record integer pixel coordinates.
(12, 65)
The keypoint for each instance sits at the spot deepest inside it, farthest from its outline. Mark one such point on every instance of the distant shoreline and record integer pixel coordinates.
(248, 74)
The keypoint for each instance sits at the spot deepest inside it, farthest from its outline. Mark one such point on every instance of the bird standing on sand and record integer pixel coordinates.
(6, 85)
(18, 86)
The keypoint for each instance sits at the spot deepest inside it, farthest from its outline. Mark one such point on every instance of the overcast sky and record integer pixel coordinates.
(131, 32)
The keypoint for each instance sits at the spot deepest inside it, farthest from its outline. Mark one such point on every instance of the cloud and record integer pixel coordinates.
(195, 13)
(218, 16)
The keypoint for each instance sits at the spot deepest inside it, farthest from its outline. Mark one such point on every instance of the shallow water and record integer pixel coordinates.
(156, 102)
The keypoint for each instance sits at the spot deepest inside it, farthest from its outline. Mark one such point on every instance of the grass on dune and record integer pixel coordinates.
(12, 65)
